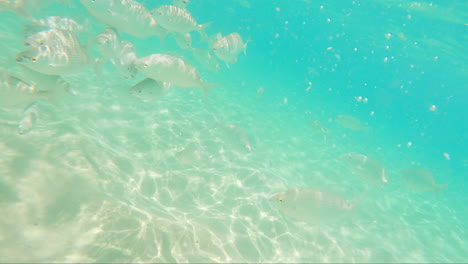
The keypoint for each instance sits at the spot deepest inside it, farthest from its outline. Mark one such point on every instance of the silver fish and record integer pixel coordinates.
(54, 52)
(108, 43)
(14, 91)
(311, 206)
(54, 22)
(27, 8)
(206, 58)
(171, 69)
(177, 19)
(183, 40)
(149, 89)
(351, 122)
(128, 16)
(229, 47)
(28, 118)
(421, 180)
(125, 61)
(237, 133)
(366, 168)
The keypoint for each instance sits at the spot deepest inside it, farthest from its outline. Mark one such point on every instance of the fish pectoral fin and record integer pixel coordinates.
(201, 29)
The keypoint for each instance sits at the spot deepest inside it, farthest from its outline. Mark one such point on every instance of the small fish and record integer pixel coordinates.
(366, 168)
(14, 91)
(260, 91)
(28, 118)
(206, 58)
(236, 133)
(242, 136)
(120, 53)
(149, 89)
(176, 19)
(189, 155)
(54, 22)
(229, 47)
(351, 122)
(311, 206)
(40, 86)
(27, 8)
(183, 40)
(125, 61)
(108, 43)
(54, 52)
(421, 180)
(317, 125)
(127, 16)
(171, 69)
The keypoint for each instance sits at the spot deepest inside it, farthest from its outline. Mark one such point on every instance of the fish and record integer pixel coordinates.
(260, 91)
(351, 122)
(189, 155)
(27, 8)
(125, 61)
(149, 89)
(229, 47)
(176, 19)
(127, 16)
(120, 53)
(183, 40)
(311, 206)
(421, 180)
(109, 43)
(237, 133)
(50, 37)
(366, 168)
(28, 118)
(54, 52)
(54, 22)
(14, 91)
(171, 69)
(317, 125)
(206, 58)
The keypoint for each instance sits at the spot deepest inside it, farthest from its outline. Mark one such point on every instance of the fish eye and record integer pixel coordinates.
(145, 65)
(33, 59)
(281, 199)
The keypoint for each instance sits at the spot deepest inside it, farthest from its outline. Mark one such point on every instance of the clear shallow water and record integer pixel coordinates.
(104, 177)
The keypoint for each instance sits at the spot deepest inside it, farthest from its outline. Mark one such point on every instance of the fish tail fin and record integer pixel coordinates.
(205, 87)
(201, 29)
(245, 46)
(161, 33)
(438, 188)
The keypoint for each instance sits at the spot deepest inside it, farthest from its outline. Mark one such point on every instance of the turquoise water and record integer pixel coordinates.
(105, 177)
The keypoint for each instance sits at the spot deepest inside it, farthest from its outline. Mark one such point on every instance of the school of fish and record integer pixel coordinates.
(52, 48)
